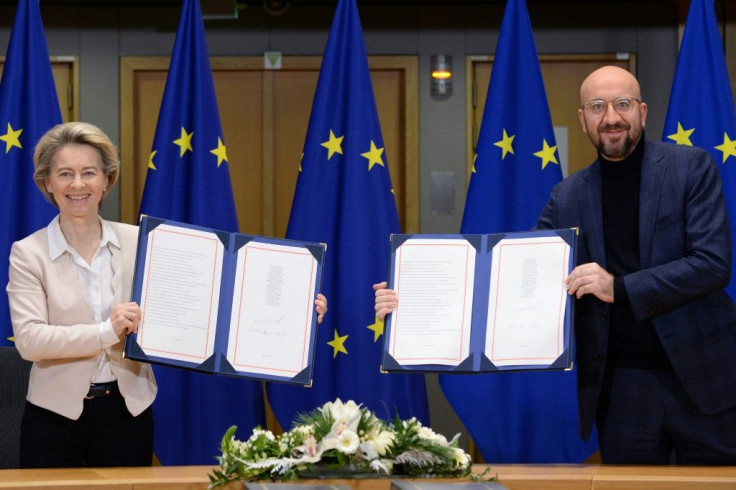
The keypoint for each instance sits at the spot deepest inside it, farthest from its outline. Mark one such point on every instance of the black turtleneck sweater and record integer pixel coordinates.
(631, 344)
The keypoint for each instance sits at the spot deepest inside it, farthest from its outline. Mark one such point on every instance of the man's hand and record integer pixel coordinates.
(592, 279)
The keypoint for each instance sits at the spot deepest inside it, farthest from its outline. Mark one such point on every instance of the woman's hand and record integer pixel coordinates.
(125, 318)
(321, 303)
(386, 300)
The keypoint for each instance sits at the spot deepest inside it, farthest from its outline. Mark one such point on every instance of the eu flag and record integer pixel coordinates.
(701, 111)
(343, 198)
(531, 416)
(188, 180)
(28, 108)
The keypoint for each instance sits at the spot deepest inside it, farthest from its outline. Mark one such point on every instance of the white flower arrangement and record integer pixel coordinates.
(336, 439)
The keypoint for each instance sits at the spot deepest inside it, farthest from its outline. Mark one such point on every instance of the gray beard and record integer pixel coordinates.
(616, 151)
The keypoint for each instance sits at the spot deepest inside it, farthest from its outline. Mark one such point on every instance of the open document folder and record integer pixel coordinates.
(478, 303)
(226, 303)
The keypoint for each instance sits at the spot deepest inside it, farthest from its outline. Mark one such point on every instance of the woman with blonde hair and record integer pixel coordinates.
(69, 290)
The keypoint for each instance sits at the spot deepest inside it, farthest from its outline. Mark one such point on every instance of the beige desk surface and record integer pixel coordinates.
(514, 477)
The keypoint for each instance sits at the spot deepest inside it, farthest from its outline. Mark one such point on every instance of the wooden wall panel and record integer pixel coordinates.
(264, 115)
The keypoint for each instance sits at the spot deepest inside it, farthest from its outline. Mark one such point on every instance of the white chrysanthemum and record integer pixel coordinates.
(428, 434)
(462, 459)
(383, 441)
(347, 442)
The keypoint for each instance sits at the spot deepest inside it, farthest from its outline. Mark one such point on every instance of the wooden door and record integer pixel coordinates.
(65, 71)
(264, 116)
(562, 76)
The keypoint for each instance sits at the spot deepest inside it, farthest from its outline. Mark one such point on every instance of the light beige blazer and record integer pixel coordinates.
(54, 327)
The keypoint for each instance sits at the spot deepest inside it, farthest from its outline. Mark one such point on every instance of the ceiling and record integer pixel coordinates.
(258, 3)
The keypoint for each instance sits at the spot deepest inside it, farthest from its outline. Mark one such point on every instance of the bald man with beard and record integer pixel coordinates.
(655, 330)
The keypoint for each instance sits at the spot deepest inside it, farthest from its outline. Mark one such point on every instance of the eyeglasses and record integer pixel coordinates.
(598, 107)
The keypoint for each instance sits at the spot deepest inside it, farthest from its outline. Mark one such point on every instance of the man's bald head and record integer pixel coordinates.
(607, 82)
(616, 131)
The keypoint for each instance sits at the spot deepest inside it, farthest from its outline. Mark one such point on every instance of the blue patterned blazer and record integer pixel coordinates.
(685, 256)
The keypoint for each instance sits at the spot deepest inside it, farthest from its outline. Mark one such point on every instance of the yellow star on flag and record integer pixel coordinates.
(377, 329)
(373, 156)
(12, 339)
(300, 162)
(220, 151)
(728, 147)
(11, 138)
(150, 160)
(184, 142)
(547, 154)
(338, 344)
(333, 145)
(474, 159)
(682, 136)
(505, 144)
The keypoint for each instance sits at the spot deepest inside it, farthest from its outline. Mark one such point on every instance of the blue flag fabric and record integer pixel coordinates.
(343, 198)
(531, 416)
(188, 180)
(28, 108)
(701, 110)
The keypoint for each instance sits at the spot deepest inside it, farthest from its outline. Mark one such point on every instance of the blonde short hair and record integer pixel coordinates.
(74, 133)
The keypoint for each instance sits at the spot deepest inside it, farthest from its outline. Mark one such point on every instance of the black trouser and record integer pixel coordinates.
(646, 416)
(105, 435)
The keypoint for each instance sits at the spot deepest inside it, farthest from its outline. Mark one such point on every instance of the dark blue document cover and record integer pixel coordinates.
(481, 303)
(226, 303)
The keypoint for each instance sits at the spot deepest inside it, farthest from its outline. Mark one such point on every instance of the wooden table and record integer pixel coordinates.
(514, 477)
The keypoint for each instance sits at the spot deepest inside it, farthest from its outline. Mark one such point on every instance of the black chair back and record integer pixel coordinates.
(14, 373)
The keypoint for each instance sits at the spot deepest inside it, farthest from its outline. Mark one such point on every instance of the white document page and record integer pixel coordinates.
(527, 299)
(180, 294)
(273, 304)
(433, 279)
